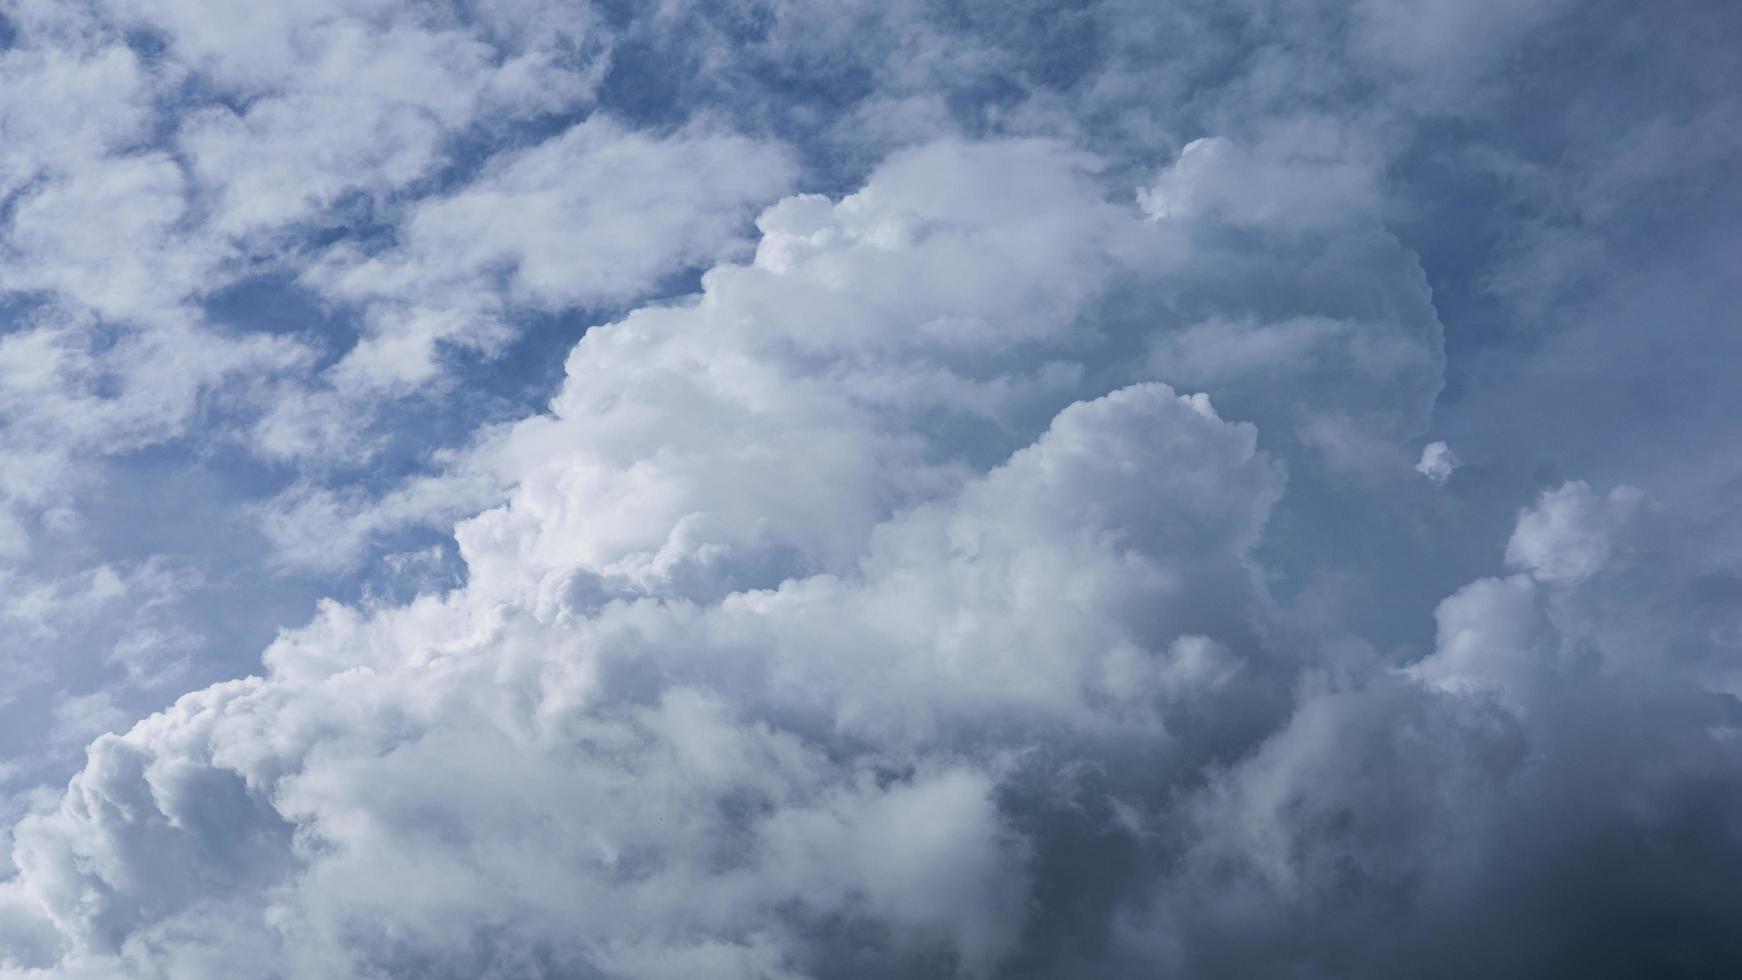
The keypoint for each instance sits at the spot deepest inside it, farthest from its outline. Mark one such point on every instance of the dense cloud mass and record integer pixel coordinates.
(781, 490)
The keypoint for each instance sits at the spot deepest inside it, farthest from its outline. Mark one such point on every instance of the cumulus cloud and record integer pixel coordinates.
(1568, 535)
(770, 667)
(980, 544)
(1437, 463)
(747, 790)
(169, 170)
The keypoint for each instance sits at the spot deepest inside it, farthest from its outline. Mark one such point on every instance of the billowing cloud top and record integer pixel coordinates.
(996, 516)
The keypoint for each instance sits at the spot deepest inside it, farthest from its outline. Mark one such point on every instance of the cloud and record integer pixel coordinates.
(854, 615)
(592, 217)
(74, 389)
(977, 530)
(726, 820)
(109, 236)
(1438, 463)
(69, 106)
(741, 793)
(363, 109)
(1402, 808)
(1567, 535)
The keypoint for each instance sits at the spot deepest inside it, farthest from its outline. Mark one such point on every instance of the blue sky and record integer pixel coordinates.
(789, 489)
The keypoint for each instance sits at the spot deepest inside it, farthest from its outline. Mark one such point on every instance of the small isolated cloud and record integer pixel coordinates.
(1438, 462)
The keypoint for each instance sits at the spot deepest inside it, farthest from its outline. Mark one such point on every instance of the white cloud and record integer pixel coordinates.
(1494, 637)
(1568, 535)
(1293, 184)
(594, 216)
(1438, 462)
(657, 837)
(625, 709)
(63, 109)
(75, 390)
(109, 236)
(939, 589)
(365, 108)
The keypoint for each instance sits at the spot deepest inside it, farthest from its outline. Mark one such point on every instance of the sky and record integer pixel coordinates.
(779, 489)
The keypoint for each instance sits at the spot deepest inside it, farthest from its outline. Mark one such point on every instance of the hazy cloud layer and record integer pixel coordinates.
(788, 490)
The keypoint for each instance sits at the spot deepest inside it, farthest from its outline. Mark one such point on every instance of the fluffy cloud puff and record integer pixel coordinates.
(783, 503)
(882, 609)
